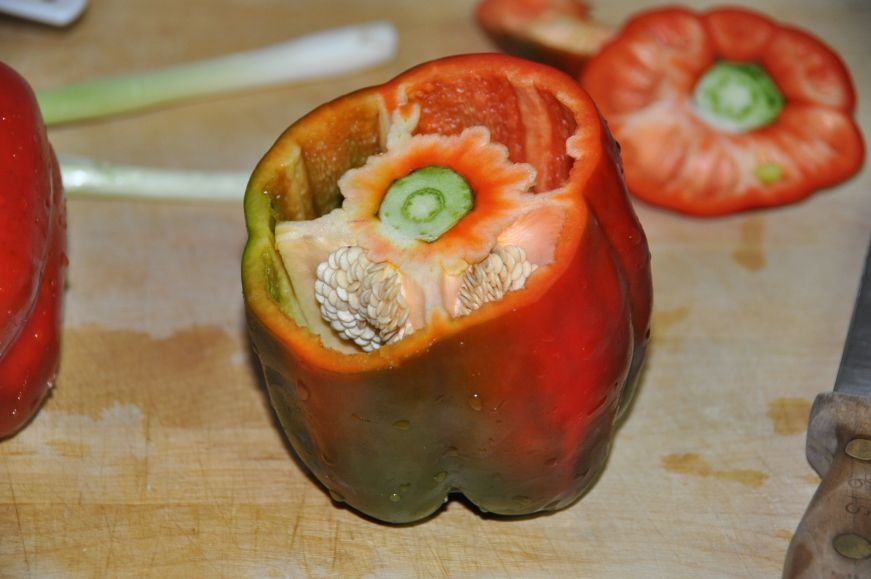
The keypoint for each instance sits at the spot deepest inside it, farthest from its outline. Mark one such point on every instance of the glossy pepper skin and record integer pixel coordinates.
(32, 255)
(644, 80)
(513, 406)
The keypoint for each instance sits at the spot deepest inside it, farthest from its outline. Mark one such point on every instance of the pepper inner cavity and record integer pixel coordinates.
(737, 97)
(379, 268)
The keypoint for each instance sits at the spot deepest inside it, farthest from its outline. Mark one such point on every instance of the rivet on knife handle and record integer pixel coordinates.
(852, 546)
(859, 448)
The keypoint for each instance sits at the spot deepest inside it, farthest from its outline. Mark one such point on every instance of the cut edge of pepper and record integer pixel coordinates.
(280, 318)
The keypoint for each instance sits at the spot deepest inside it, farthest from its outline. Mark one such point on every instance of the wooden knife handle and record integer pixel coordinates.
(833, 540)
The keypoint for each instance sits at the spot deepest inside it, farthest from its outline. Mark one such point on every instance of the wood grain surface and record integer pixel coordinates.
(158, 455)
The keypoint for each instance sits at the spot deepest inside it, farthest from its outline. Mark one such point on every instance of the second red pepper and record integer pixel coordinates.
(32, 255)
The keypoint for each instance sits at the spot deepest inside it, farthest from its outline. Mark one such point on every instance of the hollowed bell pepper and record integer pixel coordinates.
(32, 258)
(726, 110)
(482, 174)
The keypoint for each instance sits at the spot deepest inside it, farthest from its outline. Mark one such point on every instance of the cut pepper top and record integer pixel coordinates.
(725, 110)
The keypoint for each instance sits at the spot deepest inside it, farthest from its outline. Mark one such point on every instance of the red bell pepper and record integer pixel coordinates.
(32, 258)
(448, 289)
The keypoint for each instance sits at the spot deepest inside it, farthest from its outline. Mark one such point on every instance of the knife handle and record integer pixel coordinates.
(833, 539)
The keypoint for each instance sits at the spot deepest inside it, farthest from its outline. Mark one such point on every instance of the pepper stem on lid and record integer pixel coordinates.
(426, 203)
(737, 96)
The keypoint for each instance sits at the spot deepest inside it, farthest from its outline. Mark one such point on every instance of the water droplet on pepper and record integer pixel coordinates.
(302, 390)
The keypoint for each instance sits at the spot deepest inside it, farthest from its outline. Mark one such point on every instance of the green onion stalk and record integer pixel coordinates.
(315, 56)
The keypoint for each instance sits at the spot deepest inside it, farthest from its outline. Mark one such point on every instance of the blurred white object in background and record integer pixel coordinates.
(53, 12)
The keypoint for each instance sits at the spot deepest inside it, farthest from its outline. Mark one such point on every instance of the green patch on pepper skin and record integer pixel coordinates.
(769, 173)
(271, 279)
(279, 289)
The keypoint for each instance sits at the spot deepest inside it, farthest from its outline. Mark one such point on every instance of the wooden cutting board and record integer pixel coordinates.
(158, 454)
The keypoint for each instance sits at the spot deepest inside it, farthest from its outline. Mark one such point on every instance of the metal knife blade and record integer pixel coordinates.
(834, 536)
(854, 375)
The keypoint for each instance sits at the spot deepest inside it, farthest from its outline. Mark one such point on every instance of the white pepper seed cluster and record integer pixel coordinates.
(362, 300)
(505, 269)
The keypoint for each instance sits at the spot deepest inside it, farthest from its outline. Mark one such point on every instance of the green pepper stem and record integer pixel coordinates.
(426, 203)
(737, 97)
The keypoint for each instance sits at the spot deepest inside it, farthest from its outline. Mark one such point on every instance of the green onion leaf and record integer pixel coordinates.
(84, 177)
(323, 54)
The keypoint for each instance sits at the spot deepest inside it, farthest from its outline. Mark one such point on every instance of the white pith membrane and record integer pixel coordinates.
(361, 284)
